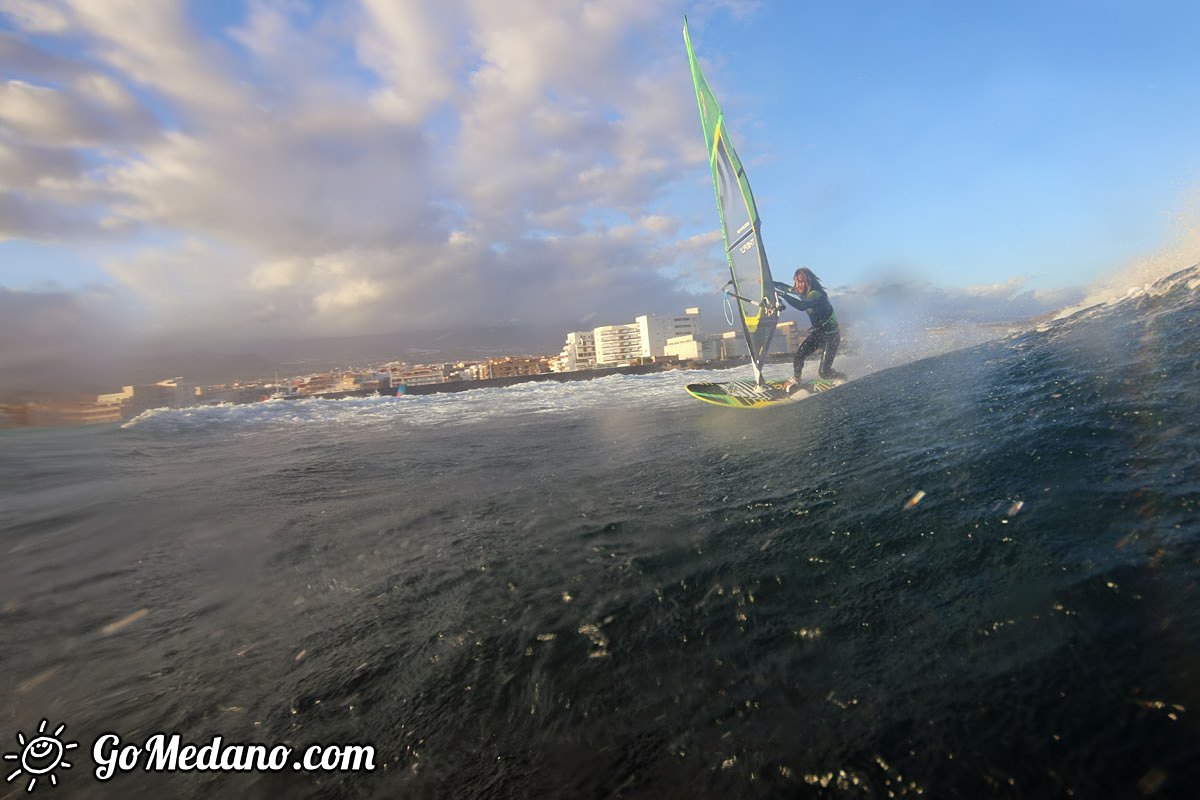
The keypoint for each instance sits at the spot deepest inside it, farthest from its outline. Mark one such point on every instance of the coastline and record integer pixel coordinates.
(492, 383)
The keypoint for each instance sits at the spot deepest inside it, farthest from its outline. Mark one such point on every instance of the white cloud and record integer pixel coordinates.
(276, 274)
(348, 296)
(152, 45)
(35, 16)
(997, 290)
(26, 216)
(657, 223)
(93, 112)
(412, 46)
(24, 166)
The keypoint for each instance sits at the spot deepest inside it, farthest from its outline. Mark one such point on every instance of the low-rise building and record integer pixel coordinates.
(692, 348)
(138, 398)
(513, 367)
(238, 395)
(788, 336)
(469, 371)
(90, 413)
(316, 384)
(729, 345)
(421, 375)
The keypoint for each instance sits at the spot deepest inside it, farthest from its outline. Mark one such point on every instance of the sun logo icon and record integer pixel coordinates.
(40, 756)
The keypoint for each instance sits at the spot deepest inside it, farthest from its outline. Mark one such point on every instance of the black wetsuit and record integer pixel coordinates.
(823, 335)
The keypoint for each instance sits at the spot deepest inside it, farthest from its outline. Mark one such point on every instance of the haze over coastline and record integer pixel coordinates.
(250, 179)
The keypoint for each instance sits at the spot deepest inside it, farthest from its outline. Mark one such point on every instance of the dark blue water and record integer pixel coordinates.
(971, 576)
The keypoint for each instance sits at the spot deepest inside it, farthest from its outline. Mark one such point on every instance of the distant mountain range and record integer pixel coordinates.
(93, 374)
(462, 344)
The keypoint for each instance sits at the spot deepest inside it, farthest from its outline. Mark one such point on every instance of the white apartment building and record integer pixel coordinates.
(693, 348)
(646, 337)
(657, 330)
(579, 351)
(618, 344)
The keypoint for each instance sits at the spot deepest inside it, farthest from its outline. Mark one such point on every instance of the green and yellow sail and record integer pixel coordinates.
(739, 223)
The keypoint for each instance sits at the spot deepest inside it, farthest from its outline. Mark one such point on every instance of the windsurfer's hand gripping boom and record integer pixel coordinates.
(765, 303)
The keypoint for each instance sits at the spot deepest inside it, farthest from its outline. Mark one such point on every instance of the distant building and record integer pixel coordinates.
(730, 344)
(470, 371)
(315, 384)
(655, 331)
(787, 337)
(116, 404)
(579, 351)
(421, 375)
(513, 367)
(238, 395)
(88, 413)
(618, 344)
(692, 348)
(135, 399)
(643, 339)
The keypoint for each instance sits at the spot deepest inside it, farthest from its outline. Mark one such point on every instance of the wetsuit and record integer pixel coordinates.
(823, 335)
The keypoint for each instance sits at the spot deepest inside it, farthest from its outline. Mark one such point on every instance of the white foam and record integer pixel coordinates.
(664, 390)
(1145, 275)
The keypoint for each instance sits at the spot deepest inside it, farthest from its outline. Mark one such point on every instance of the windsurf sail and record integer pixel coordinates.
(753, 290)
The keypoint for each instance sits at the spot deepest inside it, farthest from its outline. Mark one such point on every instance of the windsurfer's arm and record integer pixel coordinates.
(798, 303)
(804, 303)
(784, 292)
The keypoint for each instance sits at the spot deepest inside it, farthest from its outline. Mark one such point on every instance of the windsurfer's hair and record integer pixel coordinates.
(813, 281)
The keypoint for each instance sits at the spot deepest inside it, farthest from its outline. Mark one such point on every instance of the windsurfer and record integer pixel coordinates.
(807, 294)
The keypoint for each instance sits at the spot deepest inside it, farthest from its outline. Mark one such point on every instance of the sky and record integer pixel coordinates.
(221, 174)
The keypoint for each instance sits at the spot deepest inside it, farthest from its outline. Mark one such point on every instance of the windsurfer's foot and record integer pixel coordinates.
(790, 384)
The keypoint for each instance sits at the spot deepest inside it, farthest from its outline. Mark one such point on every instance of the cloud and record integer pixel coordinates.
(567, 111)
(41, 220)
(411, 45)
(152, 46)
(35, 16)
(25, 166)
(94, 110)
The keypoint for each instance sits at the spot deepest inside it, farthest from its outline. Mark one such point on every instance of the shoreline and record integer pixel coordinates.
(492, 383)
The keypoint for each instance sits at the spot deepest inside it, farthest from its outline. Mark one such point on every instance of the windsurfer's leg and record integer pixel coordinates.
(832, 341)
(806, 349)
